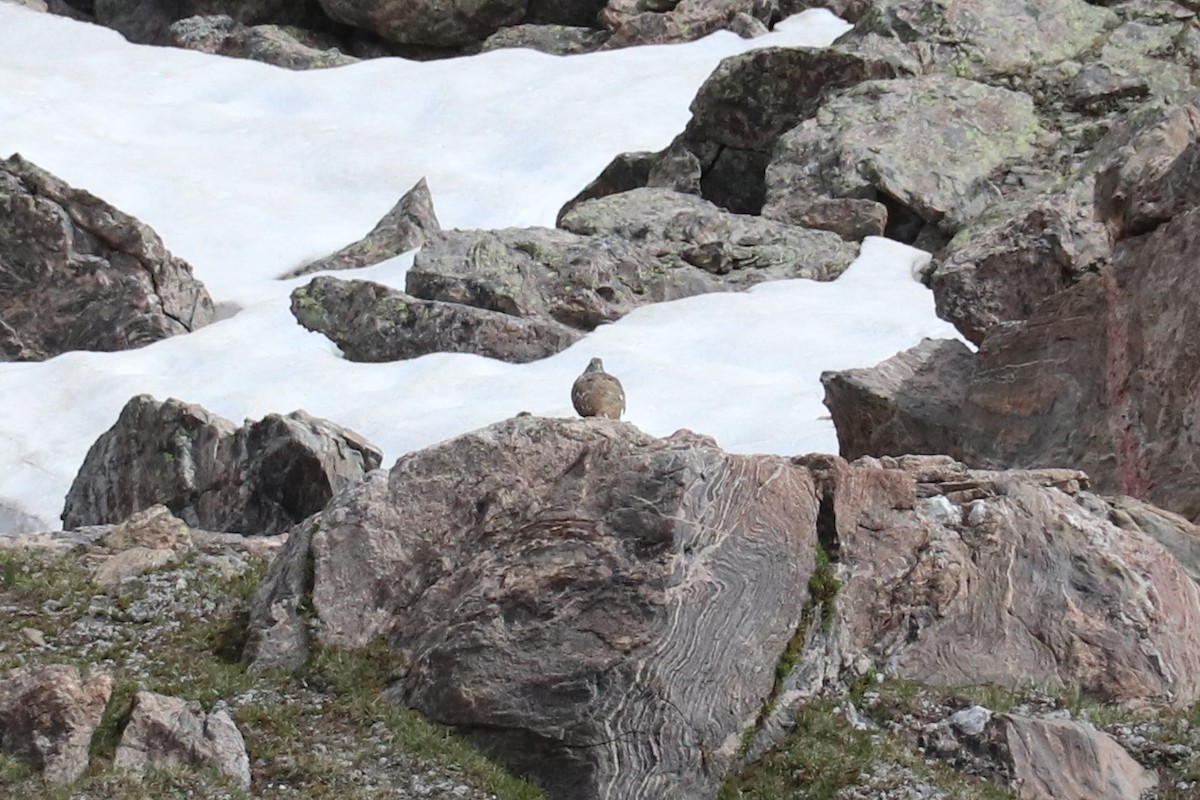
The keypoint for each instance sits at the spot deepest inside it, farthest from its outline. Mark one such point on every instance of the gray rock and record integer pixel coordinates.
(272, 44)
(980, 38)
(684, 21)
(745, 248)
(747, 26)
(148, 540)
(553, 581)
(626, 171)
(753, 98)
(122, 566)
(409, 225)
(578, 281)
(1102, 376)
(852, 218)
(47, 716)
(168, 732)
(371, 322)
(555, 39)
(260, 479)
(149, 21)
(639, 247)
(971, 721)
(1155, 57)
(929, 145)
(1098, 86)
(739, 113)
(1004, 263)
(849, 10)
(77, 274)
(1153, 174)
(439, 23)
(1038, 758)
(677, 168)
(155, 527)
(547, 542)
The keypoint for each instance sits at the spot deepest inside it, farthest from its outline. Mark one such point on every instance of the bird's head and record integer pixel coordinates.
(595, 365)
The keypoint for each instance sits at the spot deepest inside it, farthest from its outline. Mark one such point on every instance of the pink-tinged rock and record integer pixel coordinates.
(47, 716)
(954, 576)
(1069, 760)
(166, 731)
(552, 582)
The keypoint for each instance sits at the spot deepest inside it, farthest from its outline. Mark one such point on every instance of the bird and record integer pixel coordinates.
(598, 394)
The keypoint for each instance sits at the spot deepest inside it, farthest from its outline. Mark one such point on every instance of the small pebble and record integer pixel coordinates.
(34, 636)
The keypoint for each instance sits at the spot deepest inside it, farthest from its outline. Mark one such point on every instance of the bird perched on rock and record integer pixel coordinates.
(598, 394)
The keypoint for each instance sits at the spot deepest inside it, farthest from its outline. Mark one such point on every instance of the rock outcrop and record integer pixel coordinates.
(740, 112)
(953, 577)
(165, 732)
(930, 148)
(1068, 760)
(222, 35)
(983, 38)
(77, 274)
(560, 40)
(410, 224)
(911, 403)
(371, 322)
(1101, 375)
(260, 479)
(599, 580)
(523, 294)
(607, 540)
(584, 280)
(148, 540)
(1030, 246)
(684, 20)
(47, 716)
(150, 22)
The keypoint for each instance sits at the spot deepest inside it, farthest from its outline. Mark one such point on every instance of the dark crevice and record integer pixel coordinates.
(903, 224)
(827, 535)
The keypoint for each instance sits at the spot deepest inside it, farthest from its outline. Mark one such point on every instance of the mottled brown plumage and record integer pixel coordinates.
(598, 394)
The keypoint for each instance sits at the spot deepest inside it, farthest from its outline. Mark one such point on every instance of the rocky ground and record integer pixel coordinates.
(177, 629)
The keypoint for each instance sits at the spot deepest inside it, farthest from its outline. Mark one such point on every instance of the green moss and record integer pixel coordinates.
(395, 309)
(823, 587)
(358, 680)
(112, 723)
(12, 770)
(823, 754)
